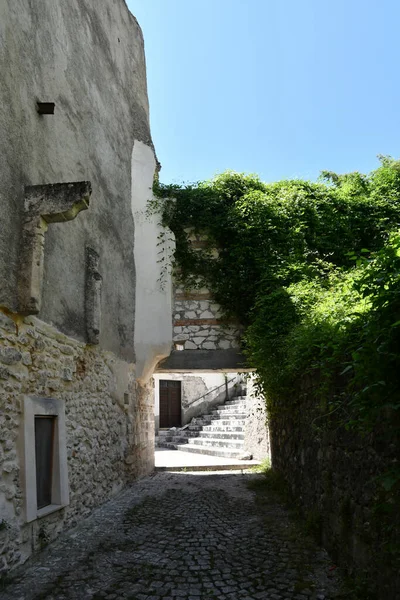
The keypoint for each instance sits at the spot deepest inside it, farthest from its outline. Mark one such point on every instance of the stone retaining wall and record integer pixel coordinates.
(334, 474)
(198, 320)
(199, 325)
(109, 428)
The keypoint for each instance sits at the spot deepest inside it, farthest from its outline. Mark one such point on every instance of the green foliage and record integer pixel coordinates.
(263, 467)
(312, 271)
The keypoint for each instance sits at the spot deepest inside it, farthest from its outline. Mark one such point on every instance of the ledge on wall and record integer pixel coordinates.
(229, 361)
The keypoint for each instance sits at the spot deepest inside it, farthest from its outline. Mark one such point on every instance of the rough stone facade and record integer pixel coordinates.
(92, 282)
(334, 474)
(198, 323)
(108, 433)
(198, 319)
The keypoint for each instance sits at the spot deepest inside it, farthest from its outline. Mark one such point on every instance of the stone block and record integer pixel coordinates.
(209, 346)
(7, 324)
(190, 314)
(9, 355)
(66, 349)
(26, 358)
(206, 315)
(190, 346)
(4, 373)
(224, 344)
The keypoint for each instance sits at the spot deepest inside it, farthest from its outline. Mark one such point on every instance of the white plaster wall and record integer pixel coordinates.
(153, 310)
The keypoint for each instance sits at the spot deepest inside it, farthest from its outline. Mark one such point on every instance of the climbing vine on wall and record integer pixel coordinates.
(312, 271)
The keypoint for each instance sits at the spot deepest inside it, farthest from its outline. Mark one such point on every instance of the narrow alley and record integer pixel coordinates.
(182, 536)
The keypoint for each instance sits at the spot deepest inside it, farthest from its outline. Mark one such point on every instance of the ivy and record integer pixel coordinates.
(311, 270)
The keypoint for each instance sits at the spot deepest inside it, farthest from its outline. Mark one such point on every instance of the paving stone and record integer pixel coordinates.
(179, 536)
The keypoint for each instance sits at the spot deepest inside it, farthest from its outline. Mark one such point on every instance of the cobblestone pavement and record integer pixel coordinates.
(181, 536)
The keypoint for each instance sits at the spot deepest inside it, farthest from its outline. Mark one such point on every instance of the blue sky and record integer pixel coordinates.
(282, 88)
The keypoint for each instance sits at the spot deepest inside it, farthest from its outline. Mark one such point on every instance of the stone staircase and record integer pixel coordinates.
(219, 433)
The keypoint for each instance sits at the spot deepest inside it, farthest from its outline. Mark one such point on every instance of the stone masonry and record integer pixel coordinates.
(110, 430)
(198, 323)
(83, 318)
(198, 319)
(336, 476)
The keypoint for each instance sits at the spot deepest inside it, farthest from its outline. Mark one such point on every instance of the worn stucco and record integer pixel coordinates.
(153, 250)
(88, 58)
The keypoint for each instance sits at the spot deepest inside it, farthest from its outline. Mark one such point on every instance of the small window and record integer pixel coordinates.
(44, 449)
(45, 467)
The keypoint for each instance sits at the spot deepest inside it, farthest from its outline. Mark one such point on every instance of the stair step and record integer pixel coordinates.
(223, 414)
(218, 433)
(201, 420)
(234, 403)
(224, 423)
(232, 407)
(223, 435)
(168, 445)
(224, 429)
(227, 409)
(210, 451)
(212, 443)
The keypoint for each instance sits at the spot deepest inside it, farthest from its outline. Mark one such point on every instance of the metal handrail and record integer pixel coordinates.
(225, 384)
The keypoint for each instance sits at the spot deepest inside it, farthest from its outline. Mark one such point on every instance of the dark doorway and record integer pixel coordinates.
(170, 403)
(44, 443)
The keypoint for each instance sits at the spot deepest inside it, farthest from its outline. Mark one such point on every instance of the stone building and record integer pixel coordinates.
(83, 317)
(205, 370)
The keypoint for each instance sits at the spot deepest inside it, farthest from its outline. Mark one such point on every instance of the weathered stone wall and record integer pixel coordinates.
(198, 322)
(256, 432)
(334, 474)
(87, 57)
(110, 427)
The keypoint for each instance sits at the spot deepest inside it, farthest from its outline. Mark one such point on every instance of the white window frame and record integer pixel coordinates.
(50, 407)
